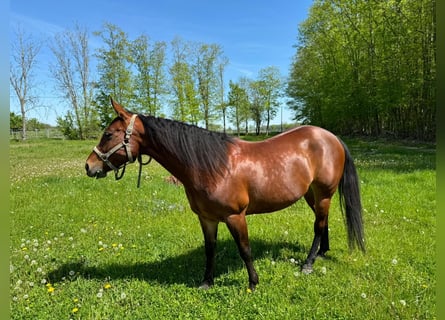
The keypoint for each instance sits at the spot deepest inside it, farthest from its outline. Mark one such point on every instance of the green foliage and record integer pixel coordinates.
(239, 105)
(114, 70)
(150, 81)
(82, 248)
(15, 121)
(205, 68)
(184, 93)
(67, 126)
(367, 67)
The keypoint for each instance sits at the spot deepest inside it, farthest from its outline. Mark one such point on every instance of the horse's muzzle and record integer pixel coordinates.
(95, 173)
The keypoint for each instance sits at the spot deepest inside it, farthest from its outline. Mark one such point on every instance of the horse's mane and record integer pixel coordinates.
(192, 146)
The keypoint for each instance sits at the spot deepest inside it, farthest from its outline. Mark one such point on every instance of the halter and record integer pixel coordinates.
(126, 145)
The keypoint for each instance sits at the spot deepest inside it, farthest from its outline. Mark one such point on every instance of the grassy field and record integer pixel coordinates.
(102, 249)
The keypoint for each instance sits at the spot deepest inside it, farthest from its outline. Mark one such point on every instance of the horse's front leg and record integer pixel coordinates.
(238, 228)
(210, 231)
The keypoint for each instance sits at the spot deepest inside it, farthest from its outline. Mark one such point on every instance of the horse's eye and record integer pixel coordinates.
(108, 135)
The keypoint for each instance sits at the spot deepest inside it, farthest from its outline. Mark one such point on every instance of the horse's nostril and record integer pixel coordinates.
(87, 167)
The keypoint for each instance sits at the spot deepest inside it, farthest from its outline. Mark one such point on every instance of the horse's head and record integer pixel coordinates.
(118, 146)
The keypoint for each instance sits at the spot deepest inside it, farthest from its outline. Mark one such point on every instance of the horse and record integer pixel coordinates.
(226, 178)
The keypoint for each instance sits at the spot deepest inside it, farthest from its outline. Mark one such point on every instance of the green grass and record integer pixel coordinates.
(82, 248)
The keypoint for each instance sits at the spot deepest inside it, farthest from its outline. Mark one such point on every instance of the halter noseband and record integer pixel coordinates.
(124, 144)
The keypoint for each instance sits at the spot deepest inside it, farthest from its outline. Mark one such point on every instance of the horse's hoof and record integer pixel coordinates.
(251, 288)
(306, 269)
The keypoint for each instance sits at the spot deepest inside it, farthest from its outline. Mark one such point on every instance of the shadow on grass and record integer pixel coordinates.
(186, 269)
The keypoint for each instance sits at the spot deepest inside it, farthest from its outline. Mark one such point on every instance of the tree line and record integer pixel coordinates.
(367, 67)
(144, 76)
(360, 68)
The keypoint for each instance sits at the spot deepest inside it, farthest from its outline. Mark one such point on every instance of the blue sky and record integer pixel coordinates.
(253, 34)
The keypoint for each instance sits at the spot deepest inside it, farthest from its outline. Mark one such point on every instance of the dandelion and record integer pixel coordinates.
(107, 286)
(26, 297)
(75, 309)
(123, 296)
(403, 302)
(292, 260)
(249, 290)
(50, 288)
(99, 294)
(83, 230)
(323, 270)
(72, 273)
(363, 295)
(394, 261)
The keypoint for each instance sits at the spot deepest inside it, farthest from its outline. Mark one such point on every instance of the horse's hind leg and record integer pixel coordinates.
(321, 235)
(324, 241)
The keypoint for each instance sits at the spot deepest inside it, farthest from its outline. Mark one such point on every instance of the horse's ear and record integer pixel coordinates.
(124, 114)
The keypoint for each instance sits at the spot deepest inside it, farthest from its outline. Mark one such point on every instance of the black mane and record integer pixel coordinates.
(192, 146)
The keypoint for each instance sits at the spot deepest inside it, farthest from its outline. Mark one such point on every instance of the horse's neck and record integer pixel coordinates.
(172, 165)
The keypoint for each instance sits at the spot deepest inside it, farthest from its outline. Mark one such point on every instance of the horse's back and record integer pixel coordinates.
(278, 171)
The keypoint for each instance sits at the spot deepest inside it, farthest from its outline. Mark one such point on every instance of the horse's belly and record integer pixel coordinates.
(272, 202)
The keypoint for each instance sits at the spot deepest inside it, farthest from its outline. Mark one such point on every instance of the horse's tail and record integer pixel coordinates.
(350, 202)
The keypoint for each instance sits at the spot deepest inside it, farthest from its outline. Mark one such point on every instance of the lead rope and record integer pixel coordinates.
(140, 167)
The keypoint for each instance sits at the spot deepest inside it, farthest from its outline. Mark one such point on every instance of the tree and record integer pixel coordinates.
(367, 67)
(184, 94)
(114, 68)
(72, 75)
(15, 121)
(238, 103)
(222, 105)
(270, 78)
(24, 51)
(150, 83)
(258, 102)
(206, 57)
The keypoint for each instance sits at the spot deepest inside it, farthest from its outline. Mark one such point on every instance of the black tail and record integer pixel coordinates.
(350, 202)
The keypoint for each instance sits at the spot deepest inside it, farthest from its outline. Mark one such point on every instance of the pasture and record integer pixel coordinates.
(82, 248)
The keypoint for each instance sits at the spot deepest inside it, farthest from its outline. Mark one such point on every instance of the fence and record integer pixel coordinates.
(48, 133)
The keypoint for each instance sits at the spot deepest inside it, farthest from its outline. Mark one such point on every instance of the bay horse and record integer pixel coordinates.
(226, 178)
